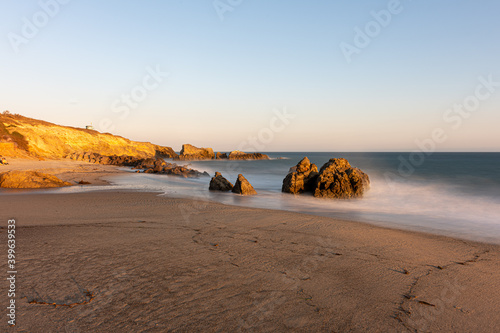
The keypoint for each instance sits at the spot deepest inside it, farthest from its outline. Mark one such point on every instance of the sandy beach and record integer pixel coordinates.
(131, 261)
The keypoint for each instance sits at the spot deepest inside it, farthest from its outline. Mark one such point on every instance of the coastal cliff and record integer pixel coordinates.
(26, 137)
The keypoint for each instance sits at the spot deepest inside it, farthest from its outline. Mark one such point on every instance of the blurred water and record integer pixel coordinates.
(456, 194)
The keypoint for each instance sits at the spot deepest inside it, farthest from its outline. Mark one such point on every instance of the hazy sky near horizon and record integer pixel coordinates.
(349, 75)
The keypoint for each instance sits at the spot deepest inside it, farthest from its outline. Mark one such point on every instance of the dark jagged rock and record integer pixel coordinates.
(220, 156)
(219, 183)
(177, 170)
(337, 179)
(190, 152)
(240, 155)
(301, 178)
(243, 187)
(149, 165)
(158, 165)
(122, 160)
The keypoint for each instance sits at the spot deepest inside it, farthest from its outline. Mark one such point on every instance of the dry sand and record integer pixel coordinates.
(139, 262)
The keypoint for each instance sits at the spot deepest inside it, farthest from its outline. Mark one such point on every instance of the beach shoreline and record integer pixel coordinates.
(154, 263)
(111, 178)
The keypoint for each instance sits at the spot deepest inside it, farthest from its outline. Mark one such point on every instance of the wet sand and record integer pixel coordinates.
(131, 261)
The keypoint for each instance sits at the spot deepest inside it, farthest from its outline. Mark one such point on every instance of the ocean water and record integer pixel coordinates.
(454, 194)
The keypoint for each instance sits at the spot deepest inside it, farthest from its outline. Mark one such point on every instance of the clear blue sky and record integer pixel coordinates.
(227, 76)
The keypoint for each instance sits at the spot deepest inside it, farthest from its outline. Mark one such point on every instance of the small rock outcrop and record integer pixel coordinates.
(165, 152)
(3, 160)
(190, 152)
(30, 179)
(240, 155)
(219, 183)
(158, 165)
(179, 170)
(242, 186)
(337, 179)
(220, 156)
(301, 178)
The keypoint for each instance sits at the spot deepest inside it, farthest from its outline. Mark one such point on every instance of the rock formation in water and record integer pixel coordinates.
(336, 179)
(26, 137)
(242, 186)
(159, 166)
(220, 156)
(219, 183)
(240, 155)
(190, 152)
(30, 179)
(302, 178)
